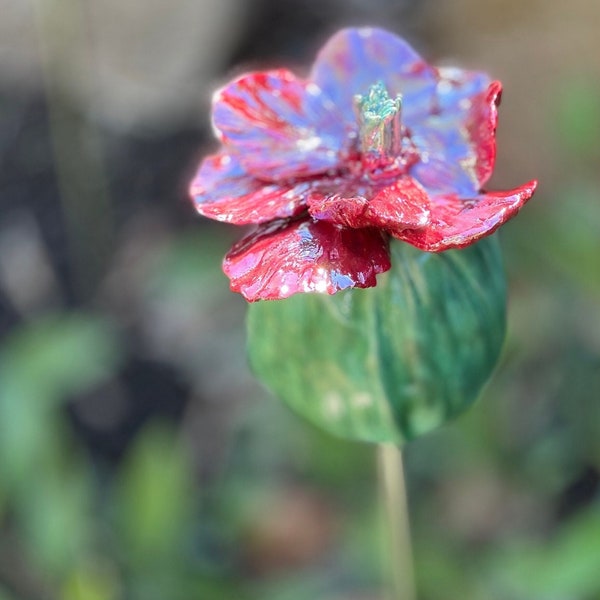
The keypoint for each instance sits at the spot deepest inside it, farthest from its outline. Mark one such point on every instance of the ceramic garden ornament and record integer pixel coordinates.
(370, 172)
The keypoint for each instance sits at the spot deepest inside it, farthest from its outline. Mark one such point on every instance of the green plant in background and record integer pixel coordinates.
(47, 489)
(503, 501)
(50, 492)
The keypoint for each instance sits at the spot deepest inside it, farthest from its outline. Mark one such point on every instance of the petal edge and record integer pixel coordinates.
(456, 222)
(222, 190)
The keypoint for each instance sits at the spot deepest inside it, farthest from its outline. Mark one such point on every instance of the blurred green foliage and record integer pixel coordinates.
(577, 118)
(564, 566)
(245, 501)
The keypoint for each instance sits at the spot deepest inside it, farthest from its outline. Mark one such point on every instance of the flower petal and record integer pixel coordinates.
(281, 127)
(223, 191)
(401, 205)
(450, 113)
(283, 258)
(456, 223)
(354, 59)
(457, 142)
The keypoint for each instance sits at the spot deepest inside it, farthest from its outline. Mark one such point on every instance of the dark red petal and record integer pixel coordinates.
(456, 223)
(344, 206)
(457, 142)
(284, 258)
(401, 205)
(280, 126)
(223, 191)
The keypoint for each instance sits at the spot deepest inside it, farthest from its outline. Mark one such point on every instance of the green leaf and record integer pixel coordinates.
(92, 580)
(58, 530)
(154, 497)
(42, 364)
(391, 362)
(56, 356)
(564, 566)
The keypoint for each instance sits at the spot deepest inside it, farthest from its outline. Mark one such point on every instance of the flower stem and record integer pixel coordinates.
(397, 528)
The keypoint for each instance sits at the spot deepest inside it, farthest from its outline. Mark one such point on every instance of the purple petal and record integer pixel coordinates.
(223, 191)
(354, 59)
(456, 223)
(400, 205)
(457, 142)
(281, 127)
(284, 258)
(450, 113)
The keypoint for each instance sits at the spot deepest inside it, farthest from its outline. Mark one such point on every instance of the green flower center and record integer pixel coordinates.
(379, 124)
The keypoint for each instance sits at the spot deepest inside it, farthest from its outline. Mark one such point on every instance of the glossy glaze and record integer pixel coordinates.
(373, 138)
(283, 258)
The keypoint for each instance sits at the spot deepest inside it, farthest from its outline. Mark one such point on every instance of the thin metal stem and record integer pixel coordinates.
(399, 555)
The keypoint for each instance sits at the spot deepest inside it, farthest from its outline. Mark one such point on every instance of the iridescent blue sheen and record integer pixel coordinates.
(435, 102)
(446, 140)
(279, 126)
(354, 59)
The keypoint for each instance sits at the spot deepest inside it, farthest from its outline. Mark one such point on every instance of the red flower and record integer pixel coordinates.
(374, 143)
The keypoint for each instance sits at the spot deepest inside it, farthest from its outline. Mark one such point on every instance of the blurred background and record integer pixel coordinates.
(138, 458)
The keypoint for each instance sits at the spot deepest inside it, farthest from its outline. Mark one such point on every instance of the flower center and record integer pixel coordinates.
(379, 125)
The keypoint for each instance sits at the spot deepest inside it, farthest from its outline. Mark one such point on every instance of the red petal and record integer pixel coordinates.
(284, 258)
(222, 190)
(280, 126)
(401, 205)
(481, 124)
(456, 223)
(340, 201)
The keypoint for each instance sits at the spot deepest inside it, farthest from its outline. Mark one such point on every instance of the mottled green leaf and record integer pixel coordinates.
(392, 362)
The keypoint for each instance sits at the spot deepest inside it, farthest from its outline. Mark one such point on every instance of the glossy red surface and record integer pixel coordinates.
(284, 258)
(399, 205)
(292, 145)
(457, 222)
(225, 192)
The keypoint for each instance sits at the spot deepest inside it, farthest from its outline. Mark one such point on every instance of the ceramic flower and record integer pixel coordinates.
(373, 144)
